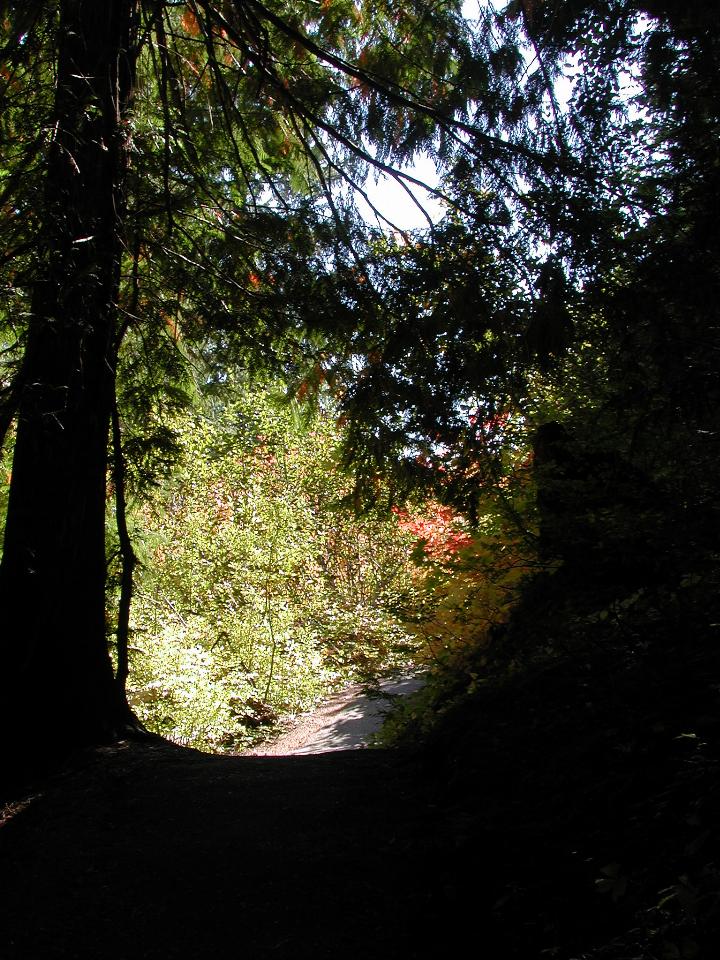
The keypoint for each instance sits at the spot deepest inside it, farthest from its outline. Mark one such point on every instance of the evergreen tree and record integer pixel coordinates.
(159, 149)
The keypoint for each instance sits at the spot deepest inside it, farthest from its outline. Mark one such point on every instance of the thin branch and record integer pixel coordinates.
(392, 91)
(127, 554)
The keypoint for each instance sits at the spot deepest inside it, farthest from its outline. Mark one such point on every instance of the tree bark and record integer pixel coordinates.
(56, 686)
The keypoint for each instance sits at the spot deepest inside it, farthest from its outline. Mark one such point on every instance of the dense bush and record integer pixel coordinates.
(258, 591)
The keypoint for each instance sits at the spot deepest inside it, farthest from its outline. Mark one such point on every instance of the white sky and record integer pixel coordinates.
(390, 198)
(394, 203)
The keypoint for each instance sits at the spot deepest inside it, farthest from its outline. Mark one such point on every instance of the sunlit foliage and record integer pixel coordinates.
(258, 592)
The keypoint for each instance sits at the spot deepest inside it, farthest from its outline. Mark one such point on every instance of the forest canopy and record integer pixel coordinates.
(179, 187)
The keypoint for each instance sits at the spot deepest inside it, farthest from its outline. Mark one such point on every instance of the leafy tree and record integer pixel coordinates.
(550, 363)
(161, 134)
(580, 302)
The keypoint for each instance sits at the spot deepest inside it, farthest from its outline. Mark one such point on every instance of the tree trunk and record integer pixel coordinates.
(57, 685)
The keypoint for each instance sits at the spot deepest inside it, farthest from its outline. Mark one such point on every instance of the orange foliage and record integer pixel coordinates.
(438, 529)
(469, 582)
(190, 23)
(172, 325)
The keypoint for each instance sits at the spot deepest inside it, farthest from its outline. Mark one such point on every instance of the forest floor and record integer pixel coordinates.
(148, 850)
(569, 811)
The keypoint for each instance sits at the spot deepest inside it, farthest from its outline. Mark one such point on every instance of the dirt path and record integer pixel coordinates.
(153, 852)
(346, 721)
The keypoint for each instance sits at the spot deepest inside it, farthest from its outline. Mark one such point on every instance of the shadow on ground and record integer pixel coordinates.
(153, 851)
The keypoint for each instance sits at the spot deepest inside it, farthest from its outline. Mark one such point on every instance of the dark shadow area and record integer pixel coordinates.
(153, 851)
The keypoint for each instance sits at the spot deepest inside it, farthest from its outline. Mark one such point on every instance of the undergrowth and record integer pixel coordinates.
(577, 753)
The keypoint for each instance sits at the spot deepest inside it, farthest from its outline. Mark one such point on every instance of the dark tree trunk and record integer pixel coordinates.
(57, 684)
